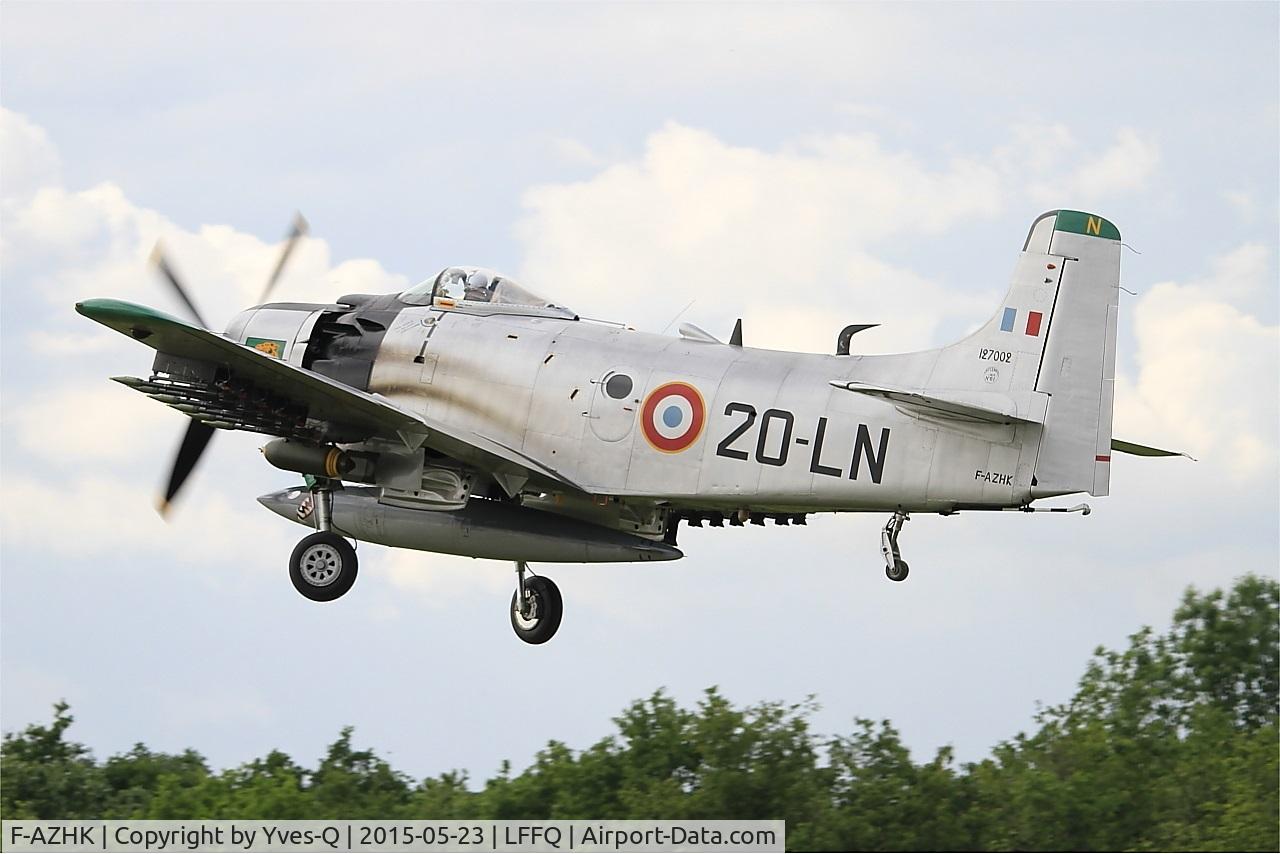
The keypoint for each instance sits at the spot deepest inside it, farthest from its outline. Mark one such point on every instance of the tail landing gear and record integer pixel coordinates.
(536, 607)
(896, 568)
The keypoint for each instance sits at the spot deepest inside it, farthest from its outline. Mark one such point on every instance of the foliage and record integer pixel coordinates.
(1170, 744)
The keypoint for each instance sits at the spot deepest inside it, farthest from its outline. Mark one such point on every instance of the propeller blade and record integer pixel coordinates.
(193, 445)
(157, 258)
(296, 233)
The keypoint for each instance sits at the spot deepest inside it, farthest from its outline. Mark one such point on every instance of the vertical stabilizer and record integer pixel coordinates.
(1049, 351)
(1078, 368)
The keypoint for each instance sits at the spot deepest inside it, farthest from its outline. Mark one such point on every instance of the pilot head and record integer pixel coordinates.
(477, 286)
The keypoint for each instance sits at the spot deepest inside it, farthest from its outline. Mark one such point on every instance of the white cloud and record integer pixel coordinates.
(67, 344)
(438, 579)
(671, 45)
(1126, 165)
(874, 115)
(1243, 203)
(30, 160)
(68, 424)
(1241, 275)
(1062, 171)
(749, 232)
(96, 242)
(95, 514)
(93, 453)
(1040, 147)
(1208, 372)
(79, 244)
(796, 232)
(575, 153)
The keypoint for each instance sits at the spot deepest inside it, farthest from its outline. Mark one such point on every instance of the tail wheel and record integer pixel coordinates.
(323, 567)
(897, 572)
(538, 620)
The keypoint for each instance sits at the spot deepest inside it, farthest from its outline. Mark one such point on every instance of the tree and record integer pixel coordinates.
(1168, 744)
(46, 776)
(357, 784)
(133, 779)
(1171, 744)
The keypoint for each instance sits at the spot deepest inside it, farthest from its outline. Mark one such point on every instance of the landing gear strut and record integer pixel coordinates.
(536, 606)
(896, 568)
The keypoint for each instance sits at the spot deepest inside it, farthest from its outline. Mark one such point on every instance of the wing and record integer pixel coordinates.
(234, 387)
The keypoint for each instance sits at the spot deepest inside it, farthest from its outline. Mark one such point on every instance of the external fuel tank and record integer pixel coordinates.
(488, 529)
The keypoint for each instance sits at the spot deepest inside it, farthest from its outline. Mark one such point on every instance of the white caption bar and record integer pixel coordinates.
(407, 836)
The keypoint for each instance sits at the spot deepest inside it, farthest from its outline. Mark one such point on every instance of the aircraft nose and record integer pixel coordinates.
(283, 503)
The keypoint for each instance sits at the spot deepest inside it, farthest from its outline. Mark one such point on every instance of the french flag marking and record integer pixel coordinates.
(1006, 322)
(1033, 322)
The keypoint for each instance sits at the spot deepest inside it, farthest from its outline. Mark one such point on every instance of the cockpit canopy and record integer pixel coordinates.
(463, 285)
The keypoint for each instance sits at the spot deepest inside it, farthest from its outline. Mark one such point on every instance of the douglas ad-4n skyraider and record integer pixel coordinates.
(469, 416)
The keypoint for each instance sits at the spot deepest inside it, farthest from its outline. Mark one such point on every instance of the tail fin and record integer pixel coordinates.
(1051, 349)
(1078, 368)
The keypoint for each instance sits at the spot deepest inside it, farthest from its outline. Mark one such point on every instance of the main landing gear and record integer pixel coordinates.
(323, 565)
(536, 606)
(895, 567)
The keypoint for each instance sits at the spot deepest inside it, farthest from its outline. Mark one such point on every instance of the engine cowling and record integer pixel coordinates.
(339, 341)
(281, 330)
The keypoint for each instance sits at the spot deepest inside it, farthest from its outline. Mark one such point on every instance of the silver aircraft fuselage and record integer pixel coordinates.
(775, 435)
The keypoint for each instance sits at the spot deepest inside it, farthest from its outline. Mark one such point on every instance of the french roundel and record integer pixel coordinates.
(672, 417)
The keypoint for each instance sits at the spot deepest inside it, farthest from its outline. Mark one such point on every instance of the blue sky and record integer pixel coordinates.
(871, 163)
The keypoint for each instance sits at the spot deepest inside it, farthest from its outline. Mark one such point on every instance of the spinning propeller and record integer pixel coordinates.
(198, 433)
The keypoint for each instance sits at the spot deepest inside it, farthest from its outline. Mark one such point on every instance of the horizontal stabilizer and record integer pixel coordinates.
(1144, 450)
(975, 407)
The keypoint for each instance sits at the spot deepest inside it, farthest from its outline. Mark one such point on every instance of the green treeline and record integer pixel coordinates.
(1170, 744)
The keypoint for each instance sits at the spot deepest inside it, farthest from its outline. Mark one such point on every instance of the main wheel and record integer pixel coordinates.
(545, 608)
(899, 571)
(323, 566)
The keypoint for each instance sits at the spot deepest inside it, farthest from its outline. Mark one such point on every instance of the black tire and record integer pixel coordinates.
(323, 566)
(899, 571)
(547, 609)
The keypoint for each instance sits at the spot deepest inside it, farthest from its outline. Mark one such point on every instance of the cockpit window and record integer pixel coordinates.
(473, 285)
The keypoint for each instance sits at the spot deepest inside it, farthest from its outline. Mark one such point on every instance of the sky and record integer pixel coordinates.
(801, 166)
